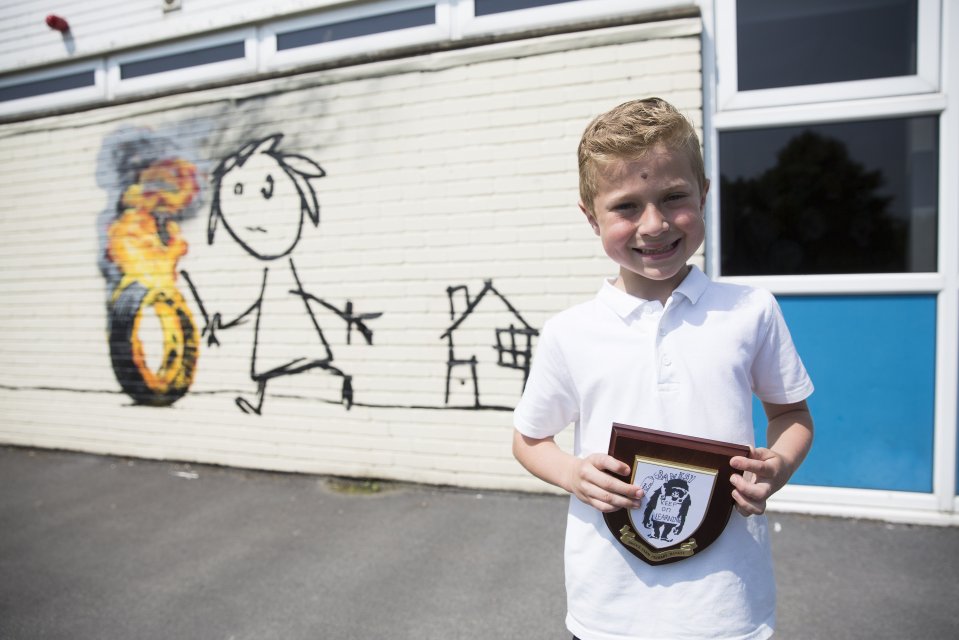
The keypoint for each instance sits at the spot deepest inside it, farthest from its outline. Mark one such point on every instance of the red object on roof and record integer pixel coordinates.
(57, 23)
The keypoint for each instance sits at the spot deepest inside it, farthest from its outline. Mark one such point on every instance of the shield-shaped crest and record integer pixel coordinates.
(688, 495)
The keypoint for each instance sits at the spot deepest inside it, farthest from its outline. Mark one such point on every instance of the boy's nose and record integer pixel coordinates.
(652, 222)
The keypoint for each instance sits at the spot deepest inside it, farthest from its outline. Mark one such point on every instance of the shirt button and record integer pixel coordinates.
(667, 362)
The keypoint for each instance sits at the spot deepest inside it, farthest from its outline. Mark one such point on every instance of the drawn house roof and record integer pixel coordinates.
(471, 305)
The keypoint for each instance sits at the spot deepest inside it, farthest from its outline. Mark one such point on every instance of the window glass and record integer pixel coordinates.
(487, 7)
(196, 57)
(355, 28)
(853, 197)
(784, 44)
(47, 85)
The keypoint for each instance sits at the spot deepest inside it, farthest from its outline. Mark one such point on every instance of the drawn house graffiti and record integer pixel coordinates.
(512, 344)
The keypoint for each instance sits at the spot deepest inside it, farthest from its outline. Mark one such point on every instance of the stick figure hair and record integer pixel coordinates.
(299, 168)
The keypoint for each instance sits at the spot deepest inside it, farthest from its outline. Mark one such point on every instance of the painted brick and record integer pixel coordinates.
(449, 170)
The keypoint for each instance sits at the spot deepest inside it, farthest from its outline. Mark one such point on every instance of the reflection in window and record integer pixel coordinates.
(854, 197)
(784, 44)
(47, 85)
(194, 58)
(487, 7)
(355, 28)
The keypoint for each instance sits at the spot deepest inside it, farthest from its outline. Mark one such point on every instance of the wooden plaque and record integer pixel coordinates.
(688, 492)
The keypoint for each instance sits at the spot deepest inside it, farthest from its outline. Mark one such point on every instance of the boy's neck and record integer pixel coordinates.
(648, 289)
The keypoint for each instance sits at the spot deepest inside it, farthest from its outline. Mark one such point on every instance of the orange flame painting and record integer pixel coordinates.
(145, 243)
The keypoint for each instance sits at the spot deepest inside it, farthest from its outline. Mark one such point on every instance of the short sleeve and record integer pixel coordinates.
(778, 373)
(549, 403)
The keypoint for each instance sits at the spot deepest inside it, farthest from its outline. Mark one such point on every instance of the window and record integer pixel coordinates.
(839, 198)
(209, 58)
(63, 86)
(826, 140)
(783, 44)
(487, 7)
(361, 30)
(194, 58)
(482, 17)
(418, 17)
(52, 84)
(784, 53)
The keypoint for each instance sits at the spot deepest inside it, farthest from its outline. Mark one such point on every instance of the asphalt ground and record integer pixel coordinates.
(98, 547)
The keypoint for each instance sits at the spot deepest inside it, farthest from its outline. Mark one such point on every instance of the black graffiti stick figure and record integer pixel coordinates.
(252, 189)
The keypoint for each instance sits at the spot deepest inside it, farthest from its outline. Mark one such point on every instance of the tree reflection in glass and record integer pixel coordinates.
(818, 210)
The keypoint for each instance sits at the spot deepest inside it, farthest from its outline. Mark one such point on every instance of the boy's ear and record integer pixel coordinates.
(590, 217)
(702, 202)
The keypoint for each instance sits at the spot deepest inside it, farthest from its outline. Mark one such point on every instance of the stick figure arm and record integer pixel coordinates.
(351, 319)
(213, 322)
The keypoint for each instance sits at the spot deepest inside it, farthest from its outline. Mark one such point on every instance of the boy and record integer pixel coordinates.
(661, 347)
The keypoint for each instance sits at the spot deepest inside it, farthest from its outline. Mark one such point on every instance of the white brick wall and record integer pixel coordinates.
(444, 170)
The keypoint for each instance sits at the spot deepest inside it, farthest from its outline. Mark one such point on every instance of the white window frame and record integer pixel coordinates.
(926, 79)
(119, 87)
(271, 58)
(933, 91)
(62, 98)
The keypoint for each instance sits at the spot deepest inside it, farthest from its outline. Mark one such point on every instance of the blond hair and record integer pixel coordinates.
(627, 132)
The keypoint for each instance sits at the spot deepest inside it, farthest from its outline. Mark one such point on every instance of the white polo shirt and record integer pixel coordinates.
(690, 367)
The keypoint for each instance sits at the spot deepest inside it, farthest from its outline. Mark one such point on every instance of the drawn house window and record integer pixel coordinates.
(491, 319)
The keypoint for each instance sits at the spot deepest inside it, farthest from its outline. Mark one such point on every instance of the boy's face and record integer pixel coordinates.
(649, 215)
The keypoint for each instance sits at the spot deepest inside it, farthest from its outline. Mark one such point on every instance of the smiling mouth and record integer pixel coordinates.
(656, 251)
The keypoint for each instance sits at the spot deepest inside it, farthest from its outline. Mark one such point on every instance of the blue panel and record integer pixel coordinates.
(872, 359)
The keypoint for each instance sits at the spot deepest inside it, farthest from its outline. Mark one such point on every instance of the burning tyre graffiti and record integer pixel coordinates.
(145, 243)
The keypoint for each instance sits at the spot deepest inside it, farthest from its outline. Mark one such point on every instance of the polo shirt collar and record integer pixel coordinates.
(623, 304)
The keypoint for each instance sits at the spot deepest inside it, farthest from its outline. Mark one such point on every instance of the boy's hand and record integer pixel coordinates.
(589, 480)
(764, 473)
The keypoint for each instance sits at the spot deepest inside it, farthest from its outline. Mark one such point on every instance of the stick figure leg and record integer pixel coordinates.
(246, 406)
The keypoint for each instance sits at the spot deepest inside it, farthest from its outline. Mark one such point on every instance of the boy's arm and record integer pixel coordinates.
(586, 478)
(789, 436)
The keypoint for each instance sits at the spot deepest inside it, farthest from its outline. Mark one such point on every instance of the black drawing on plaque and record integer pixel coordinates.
(512, 344)
(252, 189)
(666, 512)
